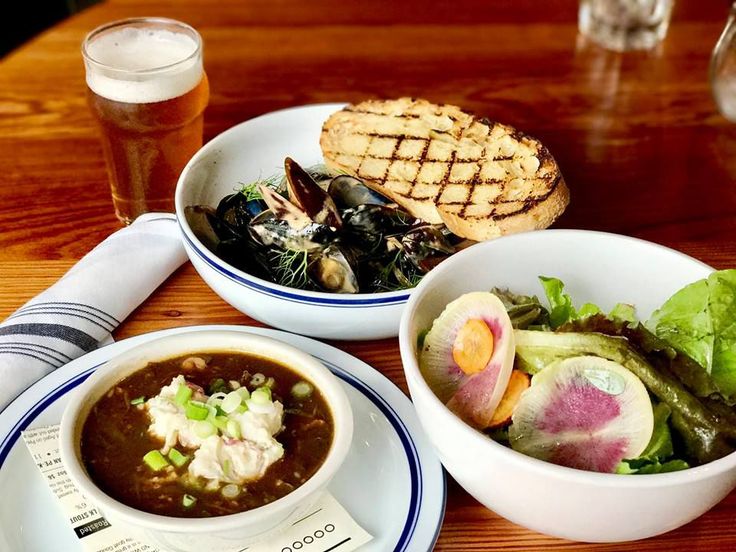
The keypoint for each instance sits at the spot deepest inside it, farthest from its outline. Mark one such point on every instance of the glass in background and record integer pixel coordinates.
(148, 90)
(623, 25)
(723, 69)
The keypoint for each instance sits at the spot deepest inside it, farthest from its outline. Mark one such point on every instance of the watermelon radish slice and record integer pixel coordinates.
(468, 356)
(583, 412)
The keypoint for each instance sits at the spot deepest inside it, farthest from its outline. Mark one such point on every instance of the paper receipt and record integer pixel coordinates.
(326, 527)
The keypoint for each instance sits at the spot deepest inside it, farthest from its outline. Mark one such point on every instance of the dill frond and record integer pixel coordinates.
(291, 268)
(250, 189)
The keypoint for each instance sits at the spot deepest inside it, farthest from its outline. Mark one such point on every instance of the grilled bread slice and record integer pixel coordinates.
(482, 179)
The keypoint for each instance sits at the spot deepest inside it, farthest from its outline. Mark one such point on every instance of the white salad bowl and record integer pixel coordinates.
(601, 268)
(249, 151)
(228, 532)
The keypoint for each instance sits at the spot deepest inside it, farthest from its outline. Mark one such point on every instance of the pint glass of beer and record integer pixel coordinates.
(147, 89)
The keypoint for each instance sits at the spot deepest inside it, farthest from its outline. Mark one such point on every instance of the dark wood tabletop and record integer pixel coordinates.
(637, 136)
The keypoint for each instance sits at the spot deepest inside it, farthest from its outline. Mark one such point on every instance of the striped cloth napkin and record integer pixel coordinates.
(82, 309)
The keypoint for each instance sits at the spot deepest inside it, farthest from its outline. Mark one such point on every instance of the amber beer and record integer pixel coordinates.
(148, 91)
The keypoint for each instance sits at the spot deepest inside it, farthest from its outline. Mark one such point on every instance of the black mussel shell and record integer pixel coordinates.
(237, 211)
(269, 231)
(247, 256)
(369, 224)
(207, 226)
(332, 271)
(306, 194)
(350, 192)
(426, 246)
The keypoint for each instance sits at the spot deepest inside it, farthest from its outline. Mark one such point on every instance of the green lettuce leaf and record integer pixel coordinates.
(560, 303)
(700, 321)
(588, 309)
(562, 310)
(660, 445)
(623, 312)
(525, 311)
(628, 468)
(656, 458)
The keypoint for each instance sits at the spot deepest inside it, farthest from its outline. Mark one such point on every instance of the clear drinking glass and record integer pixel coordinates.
(147, 88)
(622, 25)
(723, 69)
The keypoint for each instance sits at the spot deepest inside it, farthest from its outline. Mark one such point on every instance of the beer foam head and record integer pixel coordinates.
(142, 65)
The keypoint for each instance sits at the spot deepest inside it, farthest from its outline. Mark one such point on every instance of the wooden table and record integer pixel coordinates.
(637, 136)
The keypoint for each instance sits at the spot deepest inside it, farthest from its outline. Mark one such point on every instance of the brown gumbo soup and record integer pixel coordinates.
(167, 474)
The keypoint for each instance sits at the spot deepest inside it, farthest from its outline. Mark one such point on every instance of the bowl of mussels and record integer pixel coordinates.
(293, 245)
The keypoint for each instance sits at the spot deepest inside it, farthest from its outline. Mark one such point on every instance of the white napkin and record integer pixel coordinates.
(80, 310)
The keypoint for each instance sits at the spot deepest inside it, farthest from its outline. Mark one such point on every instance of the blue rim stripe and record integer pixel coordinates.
(294, 297)
(396, 422)
(63, 388)
(415, 468)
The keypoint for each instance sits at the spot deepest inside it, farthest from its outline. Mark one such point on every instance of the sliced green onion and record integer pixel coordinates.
(242, 408)
(204, 428)
(155, 460)
(188, 500)
(211, 409)
(230, 491)
(231, 402)
(138, 400)
(257, 380)
(262, 395)
(216, 399)
(195, 410)
(243, 392)
(302, 390)
(270, 382)
(177, 458)
(234, 384)
(226, 465)
(233, 429)
(220, 422)
(183, 394)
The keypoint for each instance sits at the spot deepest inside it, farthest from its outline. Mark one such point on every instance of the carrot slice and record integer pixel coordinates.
(518, 383)
(473, 346)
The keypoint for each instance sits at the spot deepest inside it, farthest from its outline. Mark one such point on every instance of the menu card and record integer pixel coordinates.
(327, 526)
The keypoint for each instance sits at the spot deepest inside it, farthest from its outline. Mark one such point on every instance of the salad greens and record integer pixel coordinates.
(699, 321)
(524, 311)
(563, 311)
(685, 356)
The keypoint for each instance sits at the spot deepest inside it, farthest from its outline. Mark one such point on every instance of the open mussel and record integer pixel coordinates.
(285, 211)
(321, 175)
(306, 194)
(368, 225)
(203, 220)
(426, 246)
(316, 231)
(237, 211)
(349, 192)
(271, 231)
(207, 226)
(220, 238)
(331, 271)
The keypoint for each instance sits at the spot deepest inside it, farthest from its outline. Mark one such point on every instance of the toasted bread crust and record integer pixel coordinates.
(482, 179)
(536, 216)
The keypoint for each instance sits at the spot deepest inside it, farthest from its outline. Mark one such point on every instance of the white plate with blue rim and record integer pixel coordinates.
(391, 482)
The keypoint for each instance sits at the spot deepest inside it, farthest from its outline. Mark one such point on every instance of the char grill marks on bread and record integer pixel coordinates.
(481, 178)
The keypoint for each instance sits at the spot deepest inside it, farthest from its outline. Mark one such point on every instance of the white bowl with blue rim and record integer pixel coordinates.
(256, 149)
